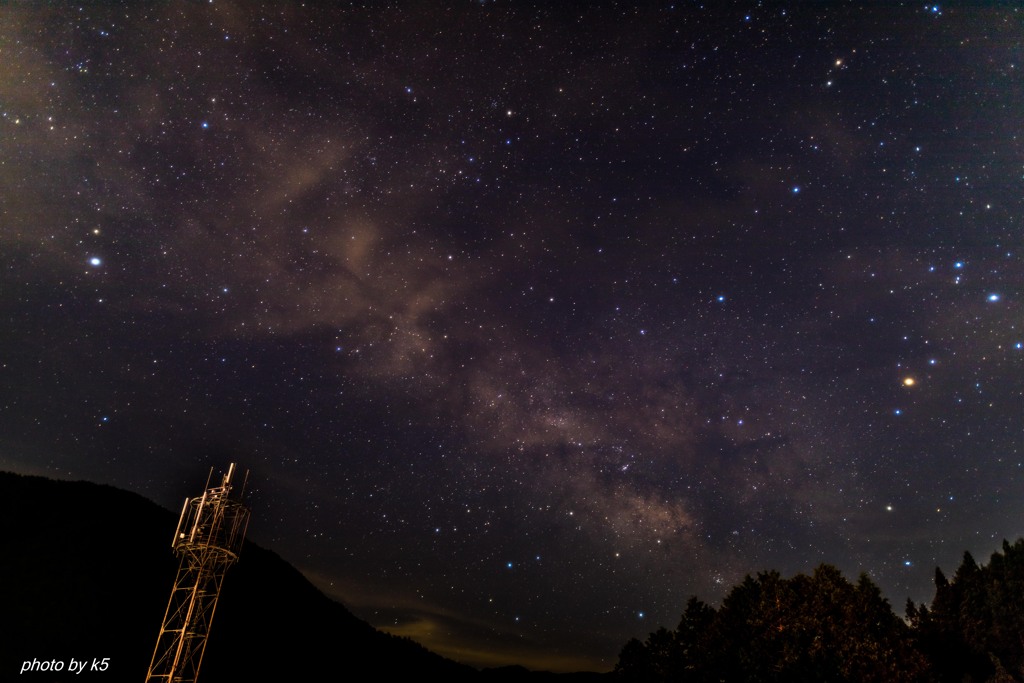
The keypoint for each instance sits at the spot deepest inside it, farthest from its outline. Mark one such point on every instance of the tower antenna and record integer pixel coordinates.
(208, 539)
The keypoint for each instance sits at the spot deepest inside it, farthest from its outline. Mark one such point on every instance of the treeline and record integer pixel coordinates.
(824, 628)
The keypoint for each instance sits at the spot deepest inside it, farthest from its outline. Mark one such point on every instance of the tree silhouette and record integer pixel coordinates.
(823, 628)
(974, 629)
(769, 629)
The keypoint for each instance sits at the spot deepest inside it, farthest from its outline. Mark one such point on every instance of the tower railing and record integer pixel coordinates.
(208, 539)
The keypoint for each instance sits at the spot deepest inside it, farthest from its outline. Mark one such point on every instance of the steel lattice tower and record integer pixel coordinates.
(208, 540)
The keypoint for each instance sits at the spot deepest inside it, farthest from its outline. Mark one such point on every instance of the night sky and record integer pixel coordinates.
(530, 320)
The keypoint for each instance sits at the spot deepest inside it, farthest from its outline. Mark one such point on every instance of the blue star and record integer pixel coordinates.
(993, 297)
(95, 261)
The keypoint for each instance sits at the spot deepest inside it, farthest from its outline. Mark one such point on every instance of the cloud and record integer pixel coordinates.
(479, 642)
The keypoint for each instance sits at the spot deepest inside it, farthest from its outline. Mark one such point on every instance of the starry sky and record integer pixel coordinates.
(530, 320)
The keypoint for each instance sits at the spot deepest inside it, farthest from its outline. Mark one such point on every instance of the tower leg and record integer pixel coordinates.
(186, 625)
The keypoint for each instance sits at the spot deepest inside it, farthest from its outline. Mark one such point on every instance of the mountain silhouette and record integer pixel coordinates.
(87, 570)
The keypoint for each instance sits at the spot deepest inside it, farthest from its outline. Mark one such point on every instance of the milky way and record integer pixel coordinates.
(530, 321)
